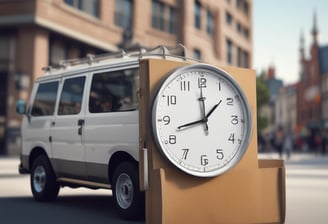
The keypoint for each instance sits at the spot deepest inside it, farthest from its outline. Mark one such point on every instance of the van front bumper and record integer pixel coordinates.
(22, 170)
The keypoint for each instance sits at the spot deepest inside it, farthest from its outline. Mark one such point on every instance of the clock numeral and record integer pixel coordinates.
(185, 85)
(203, 160)
(232, 138)
(172, 139)
(171, 100)
(219, 86)
(166, 120)
(185, 153)
(202, 82)
(219, 154)
(230, 101)
(234, 119)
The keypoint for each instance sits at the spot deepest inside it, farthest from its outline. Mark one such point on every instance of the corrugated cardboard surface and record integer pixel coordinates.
(252, 192)
(239, 196)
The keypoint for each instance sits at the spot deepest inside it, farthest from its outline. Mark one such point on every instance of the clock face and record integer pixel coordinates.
(201, 120)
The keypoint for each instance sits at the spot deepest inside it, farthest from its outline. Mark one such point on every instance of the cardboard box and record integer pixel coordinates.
(252, 192)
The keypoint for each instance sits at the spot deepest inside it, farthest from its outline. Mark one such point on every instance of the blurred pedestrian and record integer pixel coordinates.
(288, 144)
(324, 142)
(279, 140)
(318, 143)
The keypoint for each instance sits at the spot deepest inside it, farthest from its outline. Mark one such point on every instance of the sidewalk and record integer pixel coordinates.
(9, 165)
(297, 158)
(294, 156)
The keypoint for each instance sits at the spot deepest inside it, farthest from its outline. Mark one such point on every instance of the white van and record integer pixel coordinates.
(81, 129)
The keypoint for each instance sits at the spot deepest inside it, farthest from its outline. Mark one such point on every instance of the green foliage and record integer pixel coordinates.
(262, 97)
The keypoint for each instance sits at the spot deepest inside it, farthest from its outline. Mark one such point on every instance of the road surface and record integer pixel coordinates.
(306, 197)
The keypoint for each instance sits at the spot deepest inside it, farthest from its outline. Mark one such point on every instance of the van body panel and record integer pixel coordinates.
(66, 131)
(80, 144)
(107, 133)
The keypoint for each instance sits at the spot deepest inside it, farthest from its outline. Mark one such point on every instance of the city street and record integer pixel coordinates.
(306, 188)
(307, 196)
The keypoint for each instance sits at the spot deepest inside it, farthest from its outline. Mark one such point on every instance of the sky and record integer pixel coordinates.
(278, 25)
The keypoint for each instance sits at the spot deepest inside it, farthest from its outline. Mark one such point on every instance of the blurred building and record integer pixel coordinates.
(273, 84)
(312, 88)
(286, 108)
(269, 111)
(37, 33)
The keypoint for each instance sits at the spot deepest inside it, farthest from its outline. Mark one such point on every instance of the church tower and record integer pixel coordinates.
(309, 86)
(314, 70)
(315, 29)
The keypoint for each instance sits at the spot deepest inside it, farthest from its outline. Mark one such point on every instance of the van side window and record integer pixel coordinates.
(45, 99)
(114, 91)
(71, 96)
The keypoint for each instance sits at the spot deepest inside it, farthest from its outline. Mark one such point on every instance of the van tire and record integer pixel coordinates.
(130, 201)
(43, 180)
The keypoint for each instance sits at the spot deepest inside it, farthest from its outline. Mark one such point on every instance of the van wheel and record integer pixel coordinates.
(43, 180)
(130, 201)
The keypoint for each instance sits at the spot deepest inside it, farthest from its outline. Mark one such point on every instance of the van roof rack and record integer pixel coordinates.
(178, 51)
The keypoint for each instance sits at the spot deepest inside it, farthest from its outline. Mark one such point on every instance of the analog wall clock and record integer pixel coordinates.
(201, 120)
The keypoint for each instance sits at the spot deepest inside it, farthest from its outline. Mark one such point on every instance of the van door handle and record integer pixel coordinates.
(80, 123)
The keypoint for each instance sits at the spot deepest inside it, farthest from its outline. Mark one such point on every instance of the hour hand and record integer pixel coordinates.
(213, 109)
(189, 124)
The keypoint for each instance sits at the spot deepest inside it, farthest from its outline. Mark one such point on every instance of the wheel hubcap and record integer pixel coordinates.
(124, 191)
(39, 179)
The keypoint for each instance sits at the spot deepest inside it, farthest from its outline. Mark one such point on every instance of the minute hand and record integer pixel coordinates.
(201, 120)
(213, 109)
(190, 124)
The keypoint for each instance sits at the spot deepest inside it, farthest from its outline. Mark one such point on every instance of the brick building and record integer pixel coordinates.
(312, 88)
(37, 33)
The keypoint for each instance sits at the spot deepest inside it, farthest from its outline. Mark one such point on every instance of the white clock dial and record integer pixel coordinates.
(201, 120)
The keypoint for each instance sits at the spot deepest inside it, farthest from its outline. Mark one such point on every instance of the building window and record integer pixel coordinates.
(209, 26)
(6, 44)
(238, 3)
(246, 33)
(242, 58)
(239, 57)
(243, 5)
(163, 17)
(243, 31)
(172, 20)
(197, 54)
(246, 8)
(57, 52)
(246, 59)
(90, 7)
(198, 8)
(123, 13)
(158, 15)
(239, 28)
(229, 51)
(228, 18)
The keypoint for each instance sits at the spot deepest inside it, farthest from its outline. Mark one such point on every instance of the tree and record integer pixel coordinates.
(262, 97)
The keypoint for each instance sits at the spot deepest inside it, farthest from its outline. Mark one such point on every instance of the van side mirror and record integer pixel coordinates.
(20, 107)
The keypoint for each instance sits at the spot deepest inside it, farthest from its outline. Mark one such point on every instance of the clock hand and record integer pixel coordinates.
(189, 124)
(204, 118)
(202, 108)
(213, 109)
